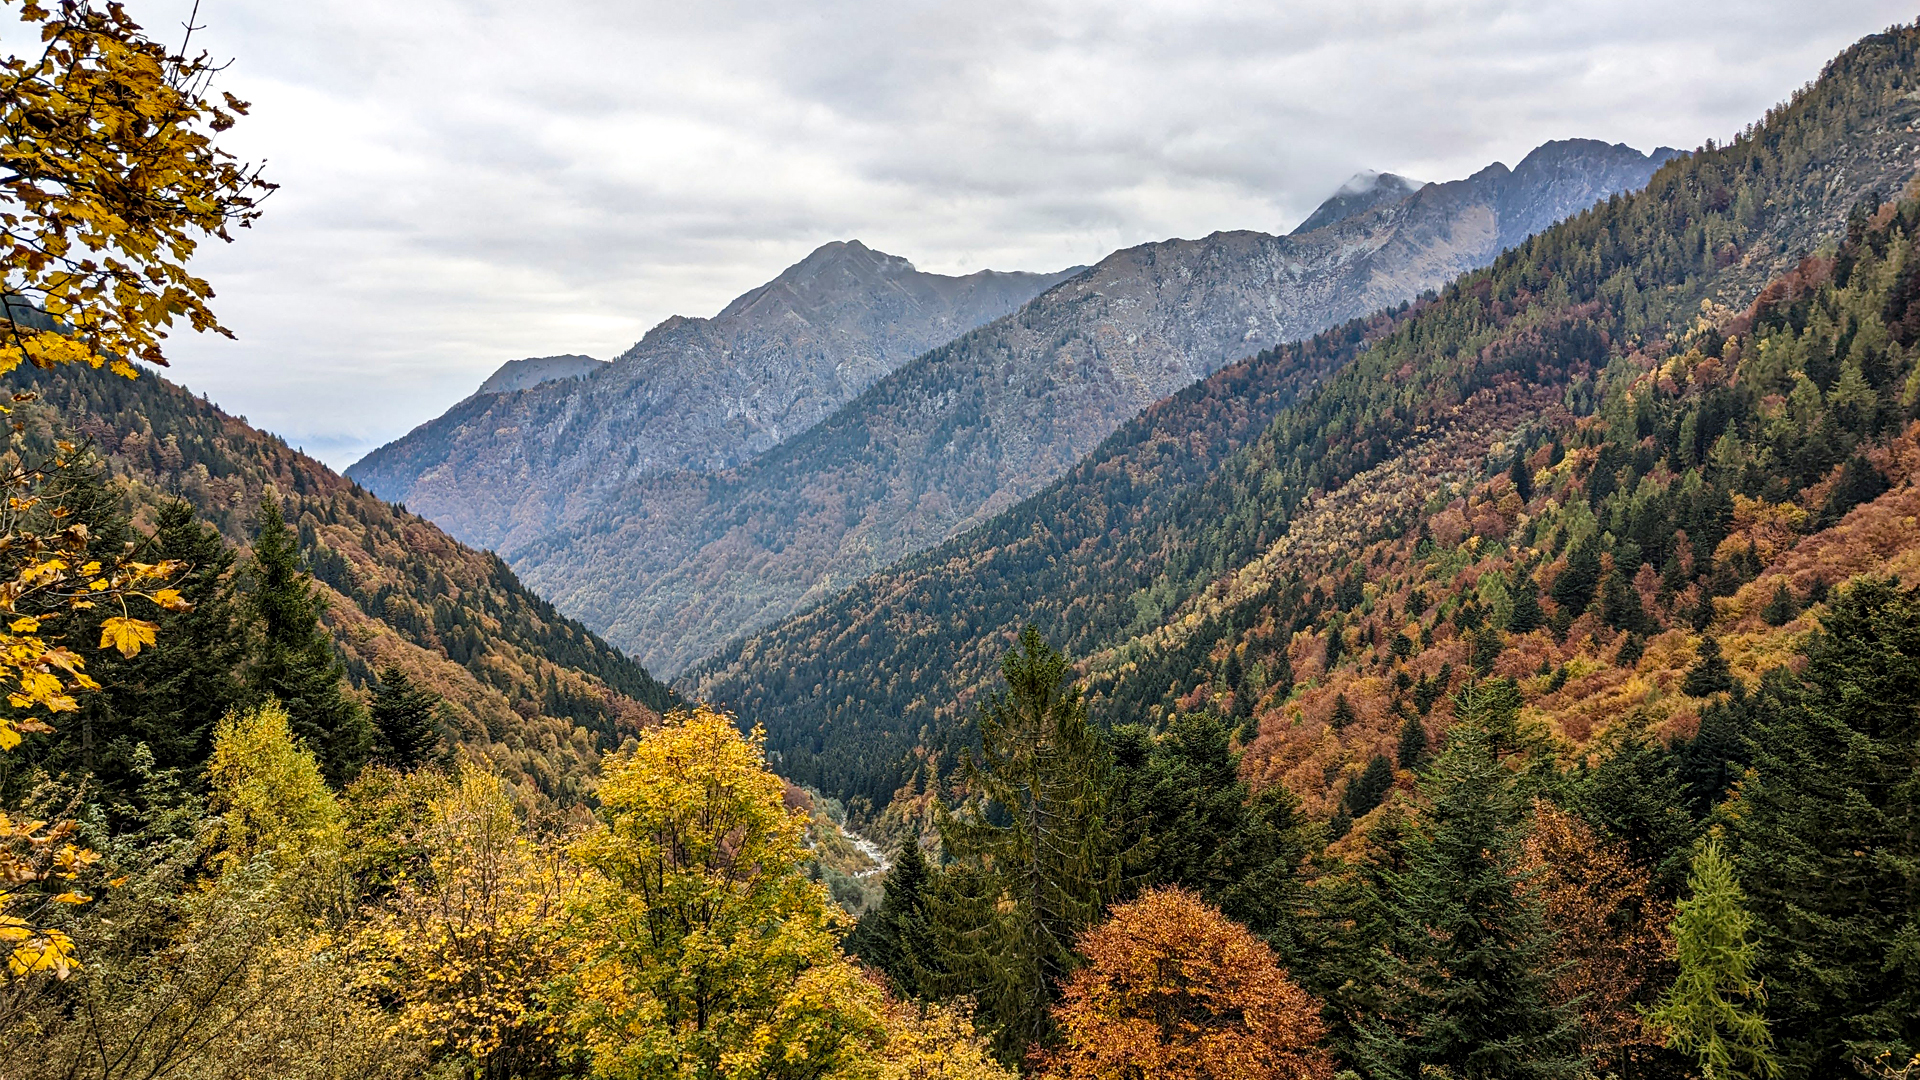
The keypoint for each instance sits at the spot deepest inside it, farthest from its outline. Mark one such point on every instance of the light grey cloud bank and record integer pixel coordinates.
(465, 183)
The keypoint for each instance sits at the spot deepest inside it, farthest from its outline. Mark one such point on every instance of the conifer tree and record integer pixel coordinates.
(1527, 615)
(1465, 978)
(294, 661)
(897, 936)
(1369, 788)
(1031, 845)
(1522, 476)
(1782, 609)
(1828, 828)
(1709, 674)
(1342, 716)
(1412, 752)
(1573, 588)
(1712, 1010)
(405, 733)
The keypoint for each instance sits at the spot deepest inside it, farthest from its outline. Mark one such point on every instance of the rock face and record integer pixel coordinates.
(525, 374)
(669, 567)
(506, 465)
(1357, 196)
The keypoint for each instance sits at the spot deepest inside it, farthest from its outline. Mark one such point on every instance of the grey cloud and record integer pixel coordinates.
(471, 182)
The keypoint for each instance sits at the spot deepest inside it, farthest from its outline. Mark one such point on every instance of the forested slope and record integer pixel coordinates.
(1205, 483)
(530, 690)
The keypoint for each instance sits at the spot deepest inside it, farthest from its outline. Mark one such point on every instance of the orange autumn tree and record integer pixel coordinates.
(1174, 990)
(1612, 944)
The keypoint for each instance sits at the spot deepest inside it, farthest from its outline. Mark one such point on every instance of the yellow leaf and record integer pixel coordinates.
(26, 624)
(127, 635)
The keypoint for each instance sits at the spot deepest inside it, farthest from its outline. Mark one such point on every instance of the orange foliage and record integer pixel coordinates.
(1613, 941)
(1175, 990)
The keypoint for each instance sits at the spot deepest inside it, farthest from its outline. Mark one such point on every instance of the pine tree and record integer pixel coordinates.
(406, 735)
(1712, 1010)
(1828, 830)
(1369, 788)
(1465, 978)
(1709, 674)
(294, 661)
(1034, 860)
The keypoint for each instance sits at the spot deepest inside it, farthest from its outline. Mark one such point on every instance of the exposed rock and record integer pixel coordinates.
(1357, 196)
(515, 375)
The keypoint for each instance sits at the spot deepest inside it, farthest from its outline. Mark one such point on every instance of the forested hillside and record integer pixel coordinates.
(672, 567)
(1116, 560)
(532, 692)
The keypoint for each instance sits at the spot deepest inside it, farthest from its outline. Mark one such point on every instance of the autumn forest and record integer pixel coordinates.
(1522, 681)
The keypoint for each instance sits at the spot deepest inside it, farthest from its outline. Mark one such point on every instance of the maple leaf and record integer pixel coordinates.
(127, 635)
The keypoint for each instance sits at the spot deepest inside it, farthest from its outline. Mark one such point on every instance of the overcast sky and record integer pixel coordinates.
(465, 183)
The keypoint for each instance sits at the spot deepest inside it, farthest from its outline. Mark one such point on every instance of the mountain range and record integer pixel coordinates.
(670, 565)
(1290, 551)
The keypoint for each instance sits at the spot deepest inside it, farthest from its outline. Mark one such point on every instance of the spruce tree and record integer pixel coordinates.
(1465, 976)
(1034, 859)
(1342, 715)
(1828, 831)
(406, 735)
(293, 657)
(1573, 588)
(1782, 609)
(1369, 788)
(1521, 476)
(1712, 1010)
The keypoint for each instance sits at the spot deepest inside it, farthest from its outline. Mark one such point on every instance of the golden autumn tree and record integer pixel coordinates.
(266, 794)
(110, 176)
(1174, 990)
(1612, 944)
(705, 951)
(468, 945)
(936, 1041)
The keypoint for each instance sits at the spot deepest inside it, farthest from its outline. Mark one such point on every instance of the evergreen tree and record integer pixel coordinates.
(1412, 752)
(1631, 650)
(1369, 788)
(1621, 608)
(1035, 862)
(1342, 716)
(1635, 795)
(1521, 476)
(897, 936)
(1573, 588)
(1782, 609)
(1527, 615)
(1828, 831)
(1466, 977)
(1712, 1010)
(1709, 674)
(293, 660)
(406, 735)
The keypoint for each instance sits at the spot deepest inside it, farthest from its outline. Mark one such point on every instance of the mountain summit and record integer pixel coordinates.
(500, 468)
(1361, 193)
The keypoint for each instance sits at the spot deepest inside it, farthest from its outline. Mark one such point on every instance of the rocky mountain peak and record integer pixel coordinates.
(1362, 192)
(524, 374)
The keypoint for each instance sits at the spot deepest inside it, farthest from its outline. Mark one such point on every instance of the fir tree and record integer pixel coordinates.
(1466, 977)
(1369, 788)
(406, 735)
(1526, 616)
(1828, 832)
(1573, 588)
(1412, 751)
(1342, 716)
(1709, 674)
(1782, 609)
(1712, 1010)
(1034, 859)
(1621, 608)
(897, 936)
(1521, 476)
(294, 661)
(1635, 794)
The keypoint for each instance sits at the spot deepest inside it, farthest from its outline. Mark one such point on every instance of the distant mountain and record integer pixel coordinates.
(515, 375)
(1357, 196)
(670, 567)
(503, 467)
(1247, 547)
(529, 691)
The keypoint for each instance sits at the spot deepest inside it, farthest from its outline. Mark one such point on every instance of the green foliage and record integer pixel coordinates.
(295, 663)
(1034, 861)
(1466, 973)
(406, 732)
(1412, 751)
(1712, 1010)
(897, 936)
(1709, 674)
(1828, 832)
